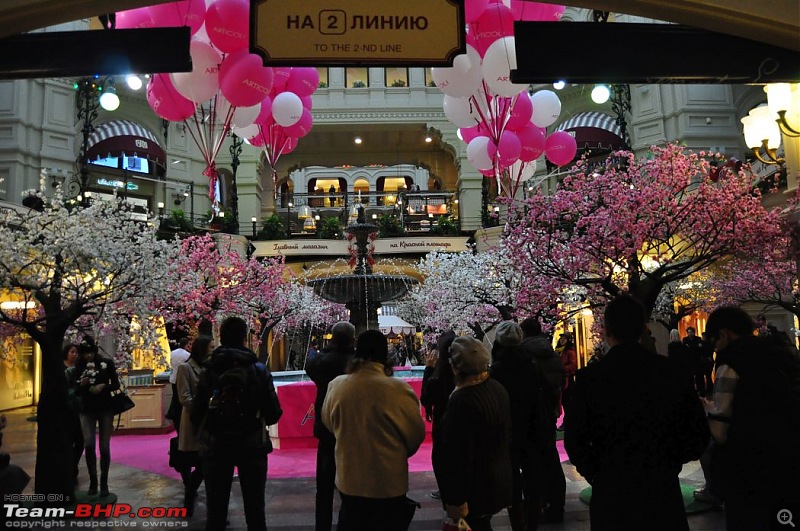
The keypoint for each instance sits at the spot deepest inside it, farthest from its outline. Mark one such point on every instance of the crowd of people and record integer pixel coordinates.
(632, 418)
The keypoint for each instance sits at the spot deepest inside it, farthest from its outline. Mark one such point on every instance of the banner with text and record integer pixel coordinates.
(348, 32)
(416, 244)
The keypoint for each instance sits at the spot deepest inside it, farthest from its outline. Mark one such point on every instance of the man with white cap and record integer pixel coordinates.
(476, 428)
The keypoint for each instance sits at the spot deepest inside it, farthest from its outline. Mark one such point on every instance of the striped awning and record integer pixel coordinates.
(594, 119)
(594, 132)
(123, 137)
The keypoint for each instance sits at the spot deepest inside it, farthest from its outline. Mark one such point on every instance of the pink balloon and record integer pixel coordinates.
(532, 140)
(495, 23)
(190, 13)
(165, 101)
(521, 113)
(289, 146)
(134, 18)
(487, 173)
(468, 133)
(227, 24)
(302, 127)
(257, 141)
(473, 9)
(308, 102)
(560, 148)
(508, 148)
(266, 112)
(282, 74)
(245, 82)
(303, 81)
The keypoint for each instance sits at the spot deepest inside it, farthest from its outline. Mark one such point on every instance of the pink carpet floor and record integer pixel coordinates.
(149, 452)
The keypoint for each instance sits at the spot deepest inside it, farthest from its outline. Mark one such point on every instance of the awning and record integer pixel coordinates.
(122, 137)
(594, 130)
(391, 324)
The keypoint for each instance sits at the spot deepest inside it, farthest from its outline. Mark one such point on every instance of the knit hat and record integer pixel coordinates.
(469, 356)
(508, 334)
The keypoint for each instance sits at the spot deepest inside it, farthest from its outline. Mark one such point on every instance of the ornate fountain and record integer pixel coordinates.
(362, 292)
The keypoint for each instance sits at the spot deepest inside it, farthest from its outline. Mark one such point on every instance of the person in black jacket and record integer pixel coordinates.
(437, 385)
(475, 477)
(757, 387)
(248, 450)
(96, 377)
(631, 423)
(523, 381)
(331, 362)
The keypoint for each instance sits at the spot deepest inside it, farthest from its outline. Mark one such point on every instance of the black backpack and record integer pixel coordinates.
(232, 413)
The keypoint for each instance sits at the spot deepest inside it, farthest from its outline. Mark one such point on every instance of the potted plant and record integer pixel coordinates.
(329, 228)
(398, 83)
(389, 225)
(446, 226)
(359, 84)
(271, 229)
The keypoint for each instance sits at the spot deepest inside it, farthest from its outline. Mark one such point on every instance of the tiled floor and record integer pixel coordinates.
(290, 502)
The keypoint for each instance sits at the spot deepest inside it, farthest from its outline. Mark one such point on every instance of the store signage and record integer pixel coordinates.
(117, 184)
(350, 32)
(413, 245)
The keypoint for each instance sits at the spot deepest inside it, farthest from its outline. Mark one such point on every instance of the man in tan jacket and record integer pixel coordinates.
(377, 424)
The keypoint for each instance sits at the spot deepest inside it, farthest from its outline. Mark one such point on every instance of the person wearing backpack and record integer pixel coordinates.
(235, 402)
(754, 418)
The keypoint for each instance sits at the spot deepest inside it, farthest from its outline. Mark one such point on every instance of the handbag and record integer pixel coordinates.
(180, 460)
(449, 525)
(121, 402)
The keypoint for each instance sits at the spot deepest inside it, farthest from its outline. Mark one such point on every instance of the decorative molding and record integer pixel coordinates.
(383, 116)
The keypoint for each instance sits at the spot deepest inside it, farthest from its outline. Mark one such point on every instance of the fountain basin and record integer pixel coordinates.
(362, 290)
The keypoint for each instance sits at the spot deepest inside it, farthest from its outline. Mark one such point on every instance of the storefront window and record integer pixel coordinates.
(323, 77)
(396, 77)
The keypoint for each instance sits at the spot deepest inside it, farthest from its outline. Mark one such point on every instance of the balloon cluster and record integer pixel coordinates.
(504, 127)
(229, 89)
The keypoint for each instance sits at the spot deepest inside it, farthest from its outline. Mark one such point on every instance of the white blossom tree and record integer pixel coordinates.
(463, 292)
(76, 270)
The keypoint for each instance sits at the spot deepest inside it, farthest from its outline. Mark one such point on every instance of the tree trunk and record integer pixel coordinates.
(54, 456)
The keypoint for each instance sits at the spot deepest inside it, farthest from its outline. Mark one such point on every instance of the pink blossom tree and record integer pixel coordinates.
(636, 225)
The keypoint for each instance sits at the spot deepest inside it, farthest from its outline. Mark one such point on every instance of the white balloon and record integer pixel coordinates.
(241, 117)
(246, 132)
(459, 111)
(498, 61)
(202, 83)
(287, 108)
(477, 154)
(460, 80)
(546, 108)
(528, 169)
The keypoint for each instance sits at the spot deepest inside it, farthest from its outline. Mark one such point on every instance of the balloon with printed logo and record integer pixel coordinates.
(190, 13)
(202, 82)
(289, 145)
(508, 148)
(227, 24)
(246, 81)
(478, 152)
(308, 102)
(134, 19)
(546, 108)
(167, 102)
(287, 108)
(303, 81)
(532, 141)
(302, 127)
(495, 23)
(521, 113)
(281, 76)
(498, 61)
(459, 111)
(560, 148)
(463, 78)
